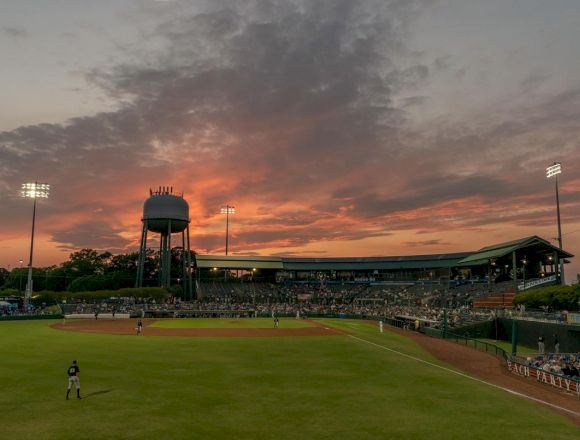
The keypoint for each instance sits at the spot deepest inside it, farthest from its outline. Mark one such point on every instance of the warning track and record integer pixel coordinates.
(493, 370)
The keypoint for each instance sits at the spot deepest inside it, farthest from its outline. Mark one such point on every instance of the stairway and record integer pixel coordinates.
(495, 301)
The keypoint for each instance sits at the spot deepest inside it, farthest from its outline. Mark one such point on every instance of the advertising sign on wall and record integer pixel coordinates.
(570, 385)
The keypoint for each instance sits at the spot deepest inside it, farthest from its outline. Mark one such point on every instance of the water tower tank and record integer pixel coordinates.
(162, 208)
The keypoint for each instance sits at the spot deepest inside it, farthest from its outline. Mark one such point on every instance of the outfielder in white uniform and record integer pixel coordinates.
(381, 326)
(73, 377)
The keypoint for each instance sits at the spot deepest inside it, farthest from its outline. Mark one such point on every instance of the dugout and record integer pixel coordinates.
(412, 320)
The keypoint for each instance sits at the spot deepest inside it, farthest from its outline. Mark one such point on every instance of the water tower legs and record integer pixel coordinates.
(167, 266)
(142, 252)
(165, 260)
(165, 257)
(189, 269)
(186, 265)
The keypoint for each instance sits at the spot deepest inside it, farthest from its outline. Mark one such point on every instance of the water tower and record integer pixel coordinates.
(165, 213)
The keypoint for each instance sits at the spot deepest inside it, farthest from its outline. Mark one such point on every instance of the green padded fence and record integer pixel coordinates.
(29, 317)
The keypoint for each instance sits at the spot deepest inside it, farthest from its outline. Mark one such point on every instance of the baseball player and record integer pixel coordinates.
(381, 326)
(139, 327)
(73, 377)
(541, 346)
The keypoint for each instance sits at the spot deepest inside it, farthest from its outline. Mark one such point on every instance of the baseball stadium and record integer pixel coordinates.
(422, 346)
(290, 220)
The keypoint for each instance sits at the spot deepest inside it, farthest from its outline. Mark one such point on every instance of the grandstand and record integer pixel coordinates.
(501, 269)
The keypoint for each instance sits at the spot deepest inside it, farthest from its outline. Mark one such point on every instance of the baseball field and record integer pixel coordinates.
(344, 380)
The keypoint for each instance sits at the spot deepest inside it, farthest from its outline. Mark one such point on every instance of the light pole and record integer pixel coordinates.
(32, 191)
(20, 276)
(553, 171)
(227, 210)
(524, 262)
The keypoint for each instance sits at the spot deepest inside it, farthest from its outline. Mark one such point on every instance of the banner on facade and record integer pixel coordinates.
(536, 283)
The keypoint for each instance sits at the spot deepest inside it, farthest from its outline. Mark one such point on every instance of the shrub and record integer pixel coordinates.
(48, 297)
(555, 297)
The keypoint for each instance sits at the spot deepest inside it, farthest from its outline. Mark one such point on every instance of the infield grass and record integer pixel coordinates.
(230, 323)
(334, 387)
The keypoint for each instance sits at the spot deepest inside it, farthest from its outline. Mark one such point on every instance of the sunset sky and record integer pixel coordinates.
(335, 127)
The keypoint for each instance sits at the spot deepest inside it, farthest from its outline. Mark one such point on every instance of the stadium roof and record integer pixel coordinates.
(372, 263)
(352, 263)
(539, 246)
(243, 262)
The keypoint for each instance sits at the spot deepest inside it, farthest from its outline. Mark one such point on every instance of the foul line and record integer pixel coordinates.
(516, 393)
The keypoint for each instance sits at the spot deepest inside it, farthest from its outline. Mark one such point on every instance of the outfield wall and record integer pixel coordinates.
(529, 331)
(100, 316)
(29, 317)
(557, 381)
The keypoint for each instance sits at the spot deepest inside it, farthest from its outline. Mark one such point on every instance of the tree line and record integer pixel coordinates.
(90, 270)
(553, 297)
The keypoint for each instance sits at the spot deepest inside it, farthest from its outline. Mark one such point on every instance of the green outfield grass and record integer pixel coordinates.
(507, 346)
(334, 387)
(230, 323)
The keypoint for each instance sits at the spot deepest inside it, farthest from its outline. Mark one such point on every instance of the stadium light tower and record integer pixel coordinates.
(553, 171)
(227, 210)
(33, 191)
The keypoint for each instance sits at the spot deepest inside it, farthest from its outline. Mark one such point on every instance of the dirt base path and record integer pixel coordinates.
(491, 369)
(128, 327)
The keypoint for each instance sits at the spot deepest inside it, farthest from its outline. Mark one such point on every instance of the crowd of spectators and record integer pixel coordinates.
(567, 365)
(430, 315)
(14, 310)
(425, 302)
(327, 293)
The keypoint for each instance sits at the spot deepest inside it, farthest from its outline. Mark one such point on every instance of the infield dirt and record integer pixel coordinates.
(128, 327)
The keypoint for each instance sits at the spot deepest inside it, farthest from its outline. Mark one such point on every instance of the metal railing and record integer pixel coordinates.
(478, 345)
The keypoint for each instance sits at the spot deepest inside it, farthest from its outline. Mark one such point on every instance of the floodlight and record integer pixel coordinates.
(227, 210)
(35, 190)
(554, 170)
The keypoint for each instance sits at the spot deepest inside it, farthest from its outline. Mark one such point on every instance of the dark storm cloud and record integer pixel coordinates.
(84, 160)
(283, 237)
(300, 84)
(94, 235)
(293, 93)
(424, 243)
(14, 32)
(284, 101)
(423, 192)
